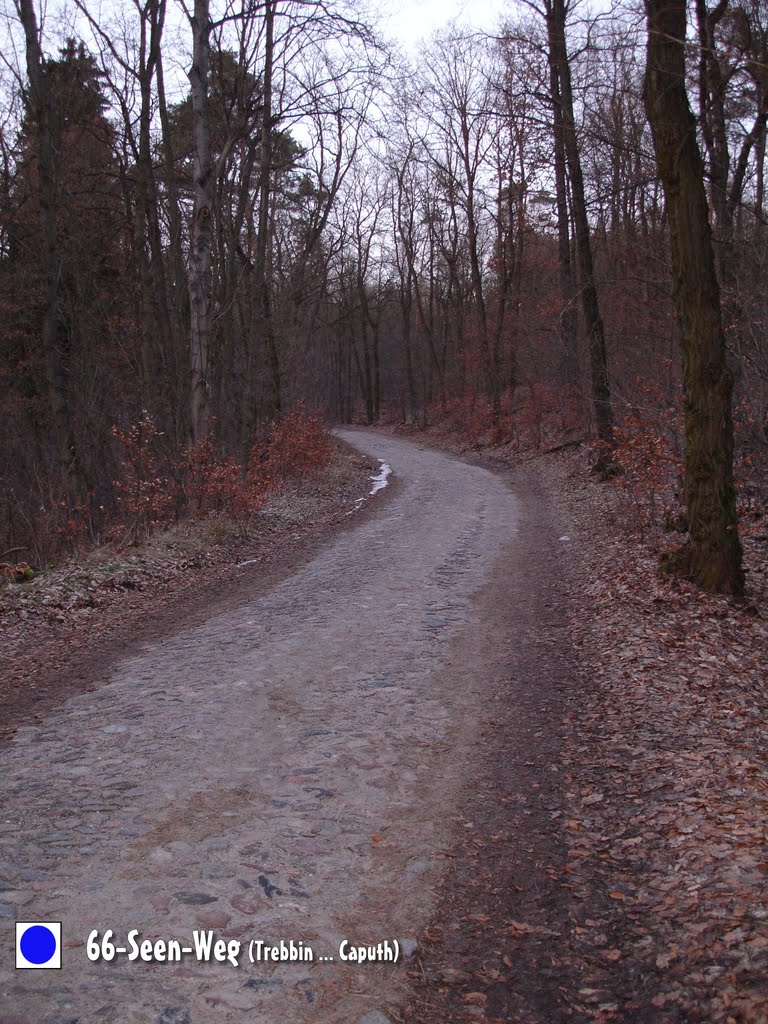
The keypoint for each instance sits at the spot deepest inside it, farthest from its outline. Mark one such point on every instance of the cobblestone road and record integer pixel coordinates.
(285, 771)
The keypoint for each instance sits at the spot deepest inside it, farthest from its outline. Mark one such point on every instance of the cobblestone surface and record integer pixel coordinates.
(284, 771)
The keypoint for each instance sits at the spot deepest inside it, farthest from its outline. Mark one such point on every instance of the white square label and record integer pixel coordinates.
(38, 945)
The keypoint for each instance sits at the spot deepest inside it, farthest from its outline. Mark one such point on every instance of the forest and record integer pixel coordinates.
(219, 218)
(383, 473)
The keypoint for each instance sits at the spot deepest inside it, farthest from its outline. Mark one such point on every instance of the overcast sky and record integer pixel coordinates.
(410, 21)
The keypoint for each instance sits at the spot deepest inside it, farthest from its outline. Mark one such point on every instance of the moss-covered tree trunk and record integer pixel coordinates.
(712, 554)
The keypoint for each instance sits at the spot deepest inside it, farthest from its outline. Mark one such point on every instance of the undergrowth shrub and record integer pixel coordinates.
(211, 483)
(152, 488)
(649, 454)
(298, 446)
(143, 493)
(202, 482)
(530, 416)
(750, 466)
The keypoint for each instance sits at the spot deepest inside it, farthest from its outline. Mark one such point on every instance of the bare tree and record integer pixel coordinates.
(201, 231)
(555, 12)
(712, 556)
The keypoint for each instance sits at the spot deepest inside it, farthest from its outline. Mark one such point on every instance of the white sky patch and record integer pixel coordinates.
(380, 480)
(412, 22)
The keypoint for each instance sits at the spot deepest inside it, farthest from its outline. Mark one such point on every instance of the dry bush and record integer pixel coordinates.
(211, 483)
(298, 446)
(649, 454)
(144, 494)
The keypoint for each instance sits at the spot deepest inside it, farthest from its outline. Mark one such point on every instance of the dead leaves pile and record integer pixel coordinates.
(666, 777)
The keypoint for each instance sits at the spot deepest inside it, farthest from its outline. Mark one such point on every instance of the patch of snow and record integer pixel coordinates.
(358, 506)
(250, 561)
(564, 538)
(380, 480)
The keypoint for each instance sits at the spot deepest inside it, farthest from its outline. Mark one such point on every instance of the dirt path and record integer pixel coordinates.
(498, 947)
(285, 770)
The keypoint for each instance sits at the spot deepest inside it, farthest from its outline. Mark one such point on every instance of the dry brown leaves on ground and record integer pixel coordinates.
(660, 807)
(667, 776)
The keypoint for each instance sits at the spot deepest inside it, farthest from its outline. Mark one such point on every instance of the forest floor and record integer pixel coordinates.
(616, 868)
(608, 859)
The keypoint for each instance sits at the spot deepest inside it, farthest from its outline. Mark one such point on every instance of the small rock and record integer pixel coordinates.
(216, 871)
(195, 898)
(247, 904)
(174, 1015)
(228, 997)
(108, 1013)
(374, 1017)
(215, 844)
(305, 986)
(180, 847)
(408, 948)
(19, 897)
(270, 889)
(418, 867)
(263, 984)
(215, 919)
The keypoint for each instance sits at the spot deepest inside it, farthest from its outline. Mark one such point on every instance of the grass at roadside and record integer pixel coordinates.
(58, 629)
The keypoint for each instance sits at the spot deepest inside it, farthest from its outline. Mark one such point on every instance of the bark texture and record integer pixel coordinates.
(712, 555)
(569, 321)
(202, 231)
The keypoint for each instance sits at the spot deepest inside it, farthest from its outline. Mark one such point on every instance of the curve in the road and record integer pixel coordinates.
(287, 770)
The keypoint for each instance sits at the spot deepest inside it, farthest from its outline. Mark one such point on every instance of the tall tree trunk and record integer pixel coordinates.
(406, 306)
(493, 382)
(593, 322)
(262, 332)
(201, 231)
(568, 323)
(264, 298)
(56, 377)
(712, 555)
(164, 330)
(176, 278)
(760, 180)
(144, 173)
(713, 117)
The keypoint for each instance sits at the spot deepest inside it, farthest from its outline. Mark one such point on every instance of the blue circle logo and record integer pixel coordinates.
(38, 944)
